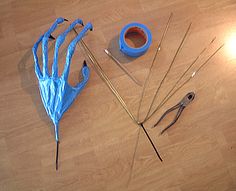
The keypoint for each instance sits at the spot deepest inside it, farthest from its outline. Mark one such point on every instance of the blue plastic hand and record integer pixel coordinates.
(57, 95)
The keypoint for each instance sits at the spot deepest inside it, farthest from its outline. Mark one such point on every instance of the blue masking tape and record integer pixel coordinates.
(139, 29)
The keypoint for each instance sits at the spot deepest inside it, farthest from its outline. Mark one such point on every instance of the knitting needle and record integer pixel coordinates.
(154, 58)
(122, 67)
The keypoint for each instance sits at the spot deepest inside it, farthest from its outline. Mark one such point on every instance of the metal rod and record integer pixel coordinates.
(167, 72)
(185, 82)
(103, 76)
(122, 67)
(165, 31)
(57, 154)
(150, 140)
(150, 69)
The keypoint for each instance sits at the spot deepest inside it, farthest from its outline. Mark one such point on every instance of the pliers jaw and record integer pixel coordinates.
(188, 98)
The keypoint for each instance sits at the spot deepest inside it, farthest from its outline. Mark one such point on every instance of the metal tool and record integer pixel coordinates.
(180, 106)
(153, 60)
(122, 67)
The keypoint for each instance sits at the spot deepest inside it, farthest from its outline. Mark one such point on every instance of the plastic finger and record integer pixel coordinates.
(71, 49)
(59, 42)
(85, 73)
(45, 44)
(36, 60)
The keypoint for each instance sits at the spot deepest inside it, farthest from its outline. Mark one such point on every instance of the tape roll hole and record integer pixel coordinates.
(135, 37)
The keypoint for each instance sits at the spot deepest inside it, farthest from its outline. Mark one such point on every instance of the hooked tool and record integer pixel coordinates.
(56, 93)
(188, 98)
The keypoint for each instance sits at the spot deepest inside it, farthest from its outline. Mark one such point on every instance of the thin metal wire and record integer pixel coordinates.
(107, 81)
(149, 138)
(123, 68)
(185, 82)
(189, 67)
(167, 72)
(150, 69)
(105, 78)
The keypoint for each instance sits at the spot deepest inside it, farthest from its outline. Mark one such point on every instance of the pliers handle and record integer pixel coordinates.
(189, 97)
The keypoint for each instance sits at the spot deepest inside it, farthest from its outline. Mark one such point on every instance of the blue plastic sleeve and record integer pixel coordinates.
(59, 42)
(71, 49)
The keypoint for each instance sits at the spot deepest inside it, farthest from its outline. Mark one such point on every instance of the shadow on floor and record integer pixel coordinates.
(114, 48)
(29, 84)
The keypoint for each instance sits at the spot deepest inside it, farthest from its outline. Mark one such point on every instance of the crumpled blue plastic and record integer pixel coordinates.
(56, 93)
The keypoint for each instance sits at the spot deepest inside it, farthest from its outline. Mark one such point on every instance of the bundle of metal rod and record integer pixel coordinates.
(150, 69)
(185, 82)
(168, 70)
(107, 81)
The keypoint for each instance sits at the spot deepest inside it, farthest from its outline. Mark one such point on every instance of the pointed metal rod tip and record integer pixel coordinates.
(162, 132)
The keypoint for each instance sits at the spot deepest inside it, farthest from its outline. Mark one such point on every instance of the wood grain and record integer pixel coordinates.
(101, 148)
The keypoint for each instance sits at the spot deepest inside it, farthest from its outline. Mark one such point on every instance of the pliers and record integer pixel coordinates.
(188, 98)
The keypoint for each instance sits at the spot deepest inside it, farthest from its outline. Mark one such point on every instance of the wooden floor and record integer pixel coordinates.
(101, 148)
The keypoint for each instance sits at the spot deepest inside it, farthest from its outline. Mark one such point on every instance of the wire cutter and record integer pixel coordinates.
(188, 98)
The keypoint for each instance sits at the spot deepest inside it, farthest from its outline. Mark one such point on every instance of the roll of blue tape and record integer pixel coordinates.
(135, 28)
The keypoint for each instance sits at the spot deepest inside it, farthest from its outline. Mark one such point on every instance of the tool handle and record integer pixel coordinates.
(175, 119)
(167, 111)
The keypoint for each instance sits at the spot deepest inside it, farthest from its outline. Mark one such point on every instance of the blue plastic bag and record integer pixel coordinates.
(56, 93)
